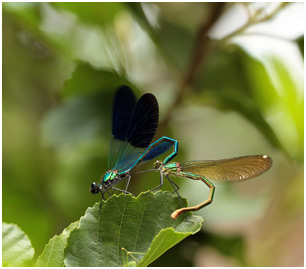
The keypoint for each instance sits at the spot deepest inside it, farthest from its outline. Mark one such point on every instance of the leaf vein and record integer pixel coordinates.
(137, 235)
(53, 242)
(159, 220)
(120, 225)
(118, 207)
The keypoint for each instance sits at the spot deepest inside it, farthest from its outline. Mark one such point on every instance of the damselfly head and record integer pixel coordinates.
(95, 188)
(157, 164)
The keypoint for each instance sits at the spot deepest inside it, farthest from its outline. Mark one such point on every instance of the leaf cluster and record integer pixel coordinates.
(122, 231)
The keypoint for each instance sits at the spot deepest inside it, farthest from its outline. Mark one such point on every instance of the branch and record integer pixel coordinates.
(254, 19)
(200, 51)
(202, 44)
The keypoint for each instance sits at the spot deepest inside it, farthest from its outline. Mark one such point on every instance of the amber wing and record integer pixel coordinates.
(229, 170)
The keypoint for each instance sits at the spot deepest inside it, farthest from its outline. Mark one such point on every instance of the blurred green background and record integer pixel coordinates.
(229, 81)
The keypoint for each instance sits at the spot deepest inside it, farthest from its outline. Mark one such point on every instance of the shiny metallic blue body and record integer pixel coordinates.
(157, 148)
(133, 126)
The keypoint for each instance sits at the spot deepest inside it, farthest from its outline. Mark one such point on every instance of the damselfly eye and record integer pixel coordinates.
(157, 164)
(94, 188)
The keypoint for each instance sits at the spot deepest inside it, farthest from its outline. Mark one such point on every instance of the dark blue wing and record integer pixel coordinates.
(144, 122)
(158, 150)
(132, 131)
(123, 107)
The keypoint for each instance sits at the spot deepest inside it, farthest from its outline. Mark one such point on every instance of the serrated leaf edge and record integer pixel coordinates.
(174, 231)
(56, 237)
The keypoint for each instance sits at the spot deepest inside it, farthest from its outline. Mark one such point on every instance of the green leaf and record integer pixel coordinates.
(92, 12)
(139, 225)
(29, 13)
(174, 41)
(137, 10)
(86, 110)
(31, 17)
(236, 81)
(76, 120)
(87, 80)
(280, 97)
(16, 247)
(53, 253)
(177, 43)
(169, 237)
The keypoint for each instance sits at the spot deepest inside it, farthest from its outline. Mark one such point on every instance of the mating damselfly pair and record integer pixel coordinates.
(134, 125)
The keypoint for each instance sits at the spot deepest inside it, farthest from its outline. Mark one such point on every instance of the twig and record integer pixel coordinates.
(255, 19)
(201, 47)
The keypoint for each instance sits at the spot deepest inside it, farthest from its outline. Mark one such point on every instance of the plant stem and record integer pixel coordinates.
(199, 53)
(255, 19)
(202, 44)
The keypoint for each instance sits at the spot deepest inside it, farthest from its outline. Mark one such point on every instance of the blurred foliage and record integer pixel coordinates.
(229, 81)
(300, 42)
(95, 13)
(16, 247)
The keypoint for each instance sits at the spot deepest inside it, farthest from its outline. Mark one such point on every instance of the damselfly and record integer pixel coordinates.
(226, 170)
(133, 128)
